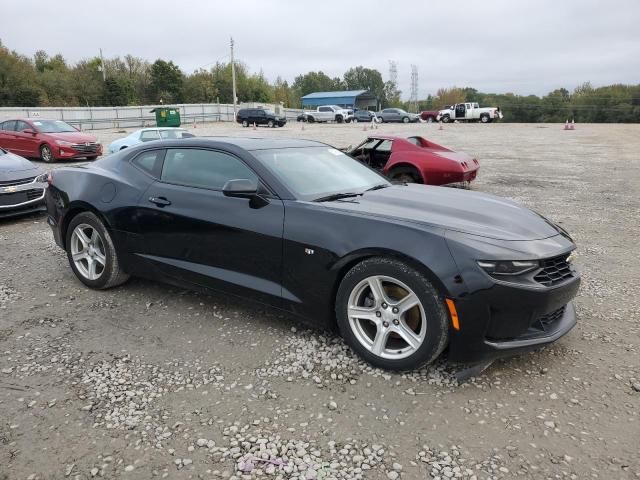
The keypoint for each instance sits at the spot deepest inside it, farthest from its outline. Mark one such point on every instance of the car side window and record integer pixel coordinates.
(20, 126)
(149, 135)
(150, 162)
(324, 109)
(260, 113)
(8, 126)
(203, 168)
(385, 146)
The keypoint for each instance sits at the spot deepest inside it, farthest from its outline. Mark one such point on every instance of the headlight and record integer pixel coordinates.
(62, 143)
(42, 178)
(501, 267)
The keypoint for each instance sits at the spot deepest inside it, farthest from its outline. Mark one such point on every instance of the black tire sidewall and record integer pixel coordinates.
(91, 219)
(436, 316)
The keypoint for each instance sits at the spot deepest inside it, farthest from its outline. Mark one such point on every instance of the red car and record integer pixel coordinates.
(429, 116)
(416, 160)
(48, 140)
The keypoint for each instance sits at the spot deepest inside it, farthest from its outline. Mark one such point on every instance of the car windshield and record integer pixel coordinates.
(316, 172)
(53, 126)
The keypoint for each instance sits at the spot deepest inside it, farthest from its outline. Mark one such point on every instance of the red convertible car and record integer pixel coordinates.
(416, 160)
(48, 140)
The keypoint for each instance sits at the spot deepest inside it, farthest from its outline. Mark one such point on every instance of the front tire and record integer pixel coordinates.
(405, 119)
(446, 119)
(391, 315)
(92, 254)
(339, 118)
(245, 124)
(46, 154)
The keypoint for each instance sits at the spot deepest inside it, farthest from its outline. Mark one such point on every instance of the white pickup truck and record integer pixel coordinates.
(329, 113)
(469, 112)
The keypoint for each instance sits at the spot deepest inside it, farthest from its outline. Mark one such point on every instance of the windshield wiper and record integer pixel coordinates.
(377, 187)
(337, 196)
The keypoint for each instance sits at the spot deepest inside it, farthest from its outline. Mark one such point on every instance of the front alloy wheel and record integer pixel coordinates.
(387, 317)
(391, 315)
(46, 154)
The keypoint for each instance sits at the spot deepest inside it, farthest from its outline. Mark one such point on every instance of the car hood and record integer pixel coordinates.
(73, 137)
(14, 167)
(453, 209)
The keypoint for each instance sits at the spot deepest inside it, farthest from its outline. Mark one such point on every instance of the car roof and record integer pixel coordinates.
(246, 143)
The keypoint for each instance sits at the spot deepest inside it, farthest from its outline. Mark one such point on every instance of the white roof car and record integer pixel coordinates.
(148, 135)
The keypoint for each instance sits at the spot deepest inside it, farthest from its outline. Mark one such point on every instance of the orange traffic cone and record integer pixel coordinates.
(566, 125)
(254, 126)
(441, 127)
(302, 127)
(573, 124)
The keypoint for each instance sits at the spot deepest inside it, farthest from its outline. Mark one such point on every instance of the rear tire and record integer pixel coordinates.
(391, 315)
(89, 243)
(484, 118)
(339, 118)
(406, 175)
(46, 154)
(310, 119)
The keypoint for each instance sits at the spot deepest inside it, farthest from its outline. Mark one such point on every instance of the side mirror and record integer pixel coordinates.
(30, 131)
(242, 188)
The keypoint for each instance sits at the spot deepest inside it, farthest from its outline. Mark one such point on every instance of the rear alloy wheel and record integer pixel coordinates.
(391, 315)
(245, 123)
(46, 154)
(91, 253)
(271, 124)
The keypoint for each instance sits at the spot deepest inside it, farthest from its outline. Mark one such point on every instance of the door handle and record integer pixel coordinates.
(160, 201)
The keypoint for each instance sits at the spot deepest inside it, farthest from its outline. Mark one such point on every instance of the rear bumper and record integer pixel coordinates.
(507, 320)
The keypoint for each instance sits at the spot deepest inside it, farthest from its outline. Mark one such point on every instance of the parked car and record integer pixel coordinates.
(469, 112)
(363, 116)
(148, 135)
(403, 271)
(429, 116)
(329, 113)
(396, 115)
(416, 160)
(49, 140)
(260, 116)
(302, 117)
(22, 185)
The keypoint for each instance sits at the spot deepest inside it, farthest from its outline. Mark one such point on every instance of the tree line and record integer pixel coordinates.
(44, 80)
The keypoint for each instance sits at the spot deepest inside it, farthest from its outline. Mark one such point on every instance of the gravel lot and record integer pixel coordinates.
(151, 381)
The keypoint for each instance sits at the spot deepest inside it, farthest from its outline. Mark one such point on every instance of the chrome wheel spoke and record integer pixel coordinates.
(92, 269)
(82, 236)
(377, 290)
(82, 255)
(363, 313)
(407, 303)
(380, 341)
(408, 336)
(100, 258)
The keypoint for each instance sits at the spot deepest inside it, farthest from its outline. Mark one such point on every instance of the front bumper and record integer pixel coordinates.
(22, 199)
(71, 152)
(509, 319)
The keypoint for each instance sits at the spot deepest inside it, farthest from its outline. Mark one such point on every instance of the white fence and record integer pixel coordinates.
(93, 118)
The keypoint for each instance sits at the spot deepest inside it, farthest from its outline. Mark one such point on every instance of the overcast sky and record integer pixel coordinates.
(525, 47)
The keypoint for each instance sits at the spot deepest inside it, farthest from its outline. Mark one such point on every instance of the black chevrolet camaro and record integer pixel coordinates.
(403, 271)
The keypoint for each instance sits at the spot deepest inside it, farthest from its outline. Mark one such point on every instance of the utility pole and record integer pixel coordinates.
(414, 87)
(233, 80)
(104, 72)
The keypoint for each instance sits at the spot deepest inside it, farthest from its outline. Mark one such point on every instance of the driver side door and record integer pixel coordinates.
(194, 233)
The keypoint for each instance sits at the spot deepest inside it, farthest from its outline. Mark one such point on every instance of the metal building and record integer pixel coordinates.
(361, 99)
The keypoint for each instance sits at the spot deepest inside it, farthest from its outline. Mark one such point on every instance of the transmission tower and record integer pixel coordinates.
(414, 87)
(393, 72)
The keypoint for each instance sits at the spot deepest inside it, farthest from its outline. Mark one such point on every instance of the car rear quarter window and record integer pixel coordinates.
(150, 162)
(203, 168)
(9, 125)
(149, 135)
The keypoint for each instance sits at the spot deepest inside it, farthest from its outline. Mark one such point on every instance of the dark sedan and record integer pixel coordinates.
(22, 185)
(403, 271)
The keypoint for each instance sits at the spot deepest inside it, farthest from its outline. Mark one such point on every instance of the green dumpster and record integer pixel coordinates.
(167, 116)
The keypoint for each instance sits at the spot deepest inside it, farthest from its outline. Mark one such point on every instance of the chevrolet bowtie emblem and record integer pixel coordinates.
(10, 189)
